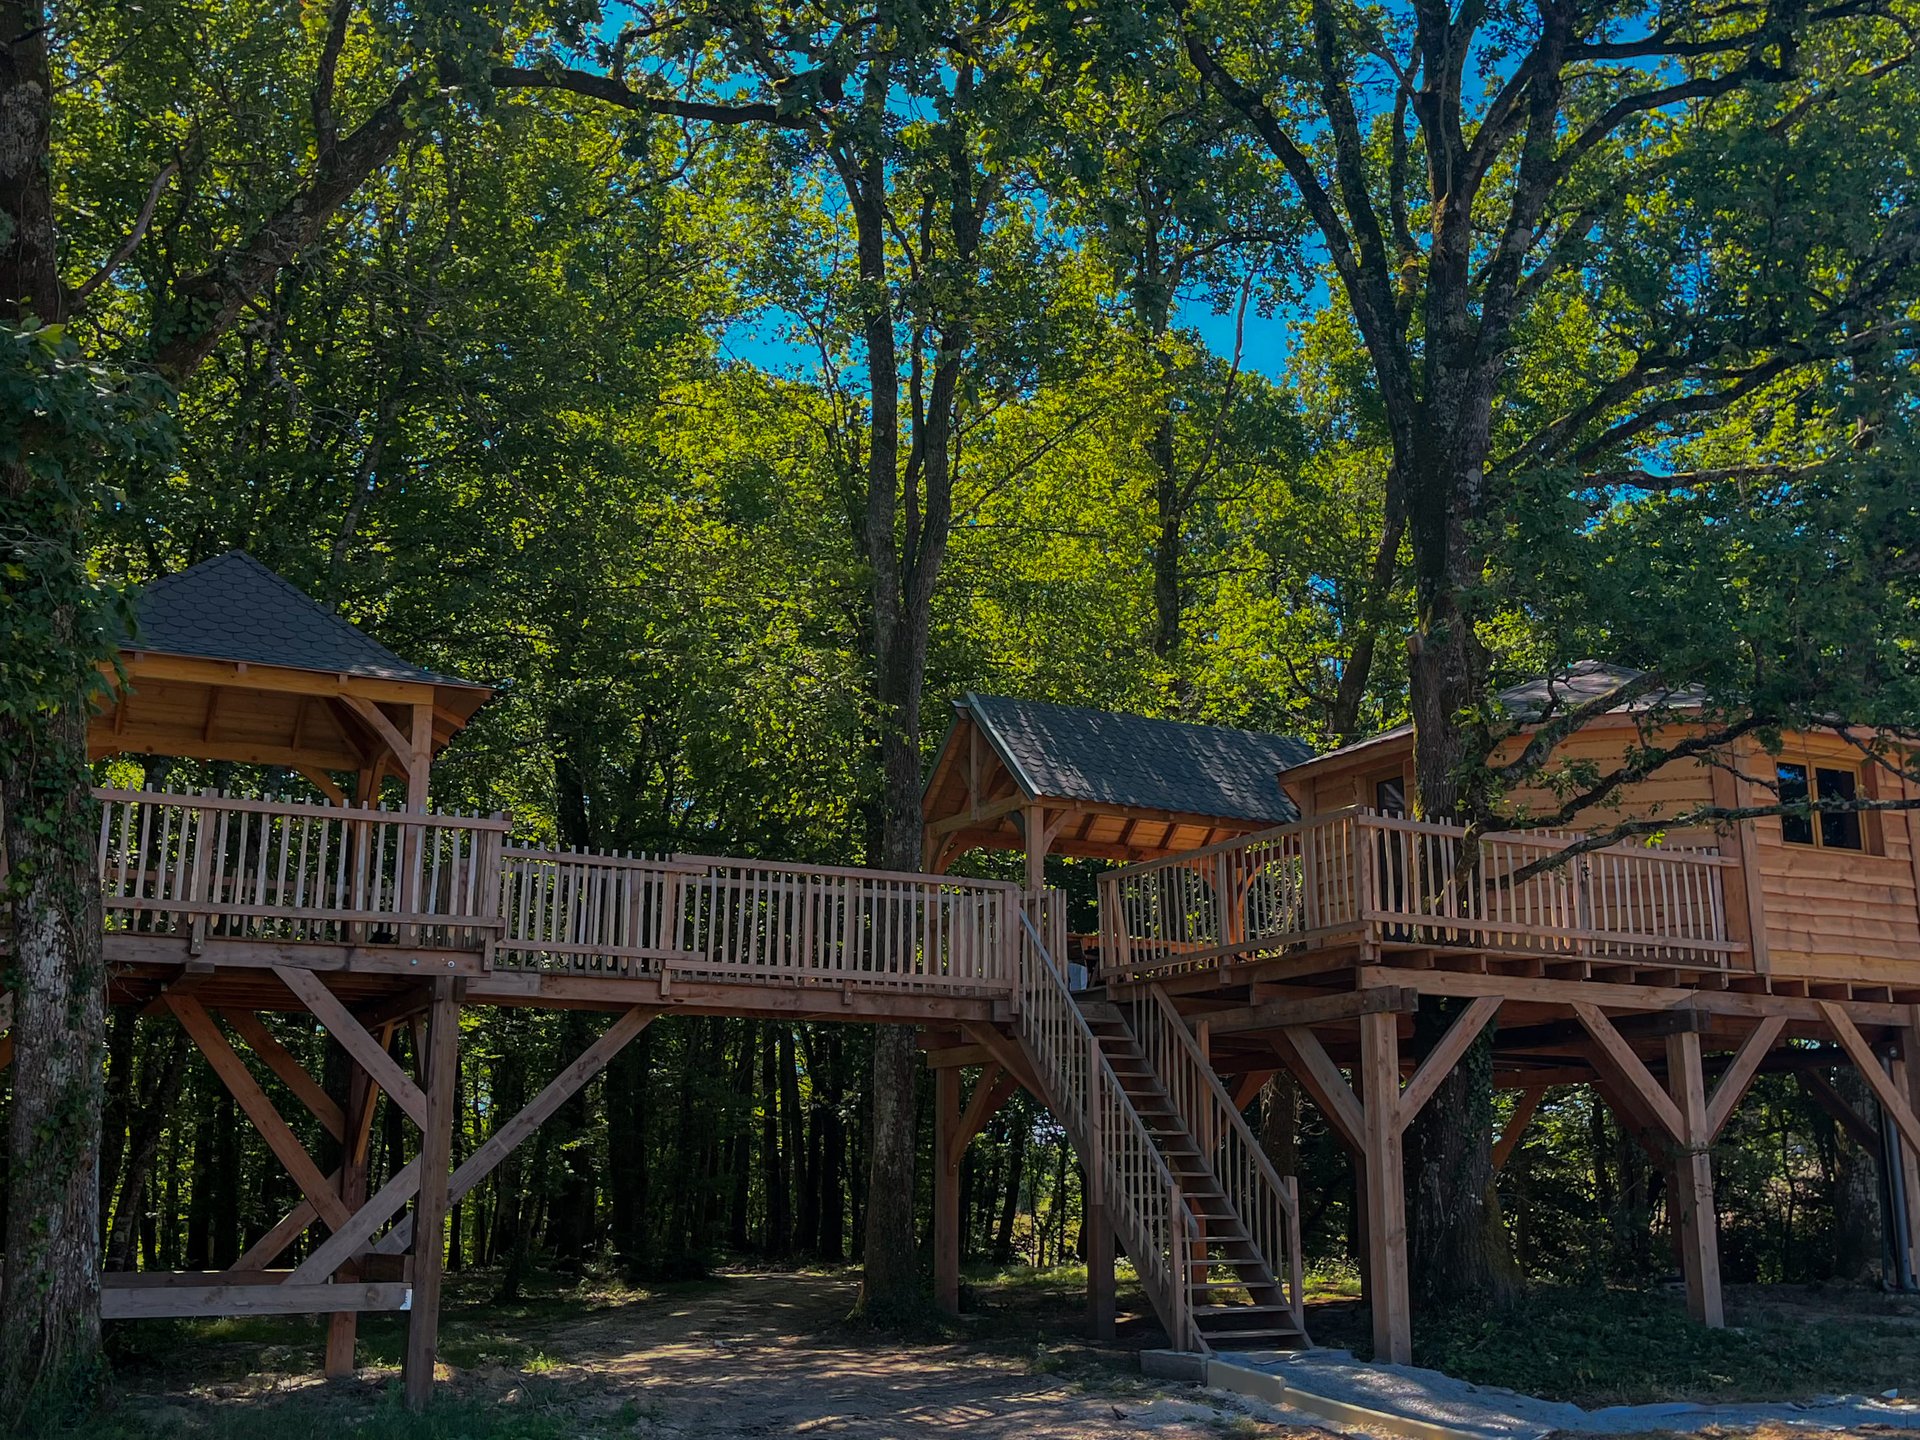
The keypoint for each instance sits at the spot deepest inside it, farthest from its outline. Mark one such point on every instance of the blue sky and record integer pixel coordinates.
(762, 340)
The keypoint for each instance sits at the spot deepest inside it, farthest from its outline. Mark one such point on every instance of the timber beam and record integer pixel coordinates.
(1314, 1010)
(1563, 992)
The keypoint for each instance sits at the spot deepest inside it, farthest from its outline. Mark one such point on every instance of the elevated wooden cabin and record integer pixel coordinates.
(1827, 900)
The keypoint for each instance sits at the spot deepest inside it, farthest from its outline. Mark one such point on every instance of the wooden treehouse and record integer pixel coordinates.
(1257, 927)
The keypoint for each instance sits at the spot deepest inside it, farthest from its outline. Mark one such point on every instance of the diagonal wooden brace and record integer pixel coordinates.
(507, 1138)
(280, 1138)
(356, 1041)
(288, 1069)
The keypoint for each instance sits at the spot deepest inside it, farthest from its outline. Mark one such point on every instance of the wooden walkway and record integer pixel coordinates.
(1305, 948)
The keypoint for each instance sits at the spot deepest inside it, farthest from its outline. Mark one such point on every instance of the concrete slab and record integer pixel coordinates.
(1405, 1400)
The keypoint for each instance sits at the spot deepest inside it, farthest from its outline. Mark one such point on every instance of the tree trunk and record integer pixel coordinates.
(1457, 1249)
(1857, 1250)
(224, 1248)
(1010, 1205)
(629, 1181)
(575, 1204)
(833, 1146)
(1280, 1122)
(1457, 1253)
(50, 1303)
(793, 1141)
(777, 1237)
(158, 1100)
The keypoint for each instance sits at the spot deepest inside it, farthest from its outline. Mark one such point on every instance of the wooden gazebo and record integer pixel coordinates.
(1063, 779)
(228, 661)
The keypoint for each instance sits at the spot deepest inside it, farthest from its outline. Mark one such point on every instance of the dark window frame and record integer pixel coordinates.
(1809, 781)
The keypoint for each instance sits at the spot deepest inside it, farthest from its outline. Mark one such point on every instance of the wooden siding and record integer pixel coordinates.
(1852, 914)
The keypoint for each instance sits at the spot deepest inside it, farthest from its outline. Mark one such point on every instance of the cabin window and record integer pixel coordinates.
(1810, 784)
(1390, 795)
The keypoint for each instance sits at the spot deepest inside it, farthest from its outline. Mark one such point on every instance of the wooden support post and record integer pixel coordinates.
(1033, 829)
(343, 1326)
(1693, 1182)
(1907, 1078)
(1098, 1240)
(430, 1206)
(419, 759)
(946, 1189)
(1388, 1292)
(1100, 1283)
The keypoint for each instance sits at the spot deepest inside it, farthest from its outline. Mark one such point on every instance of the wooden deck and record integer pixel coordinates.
(1306, 948)
(1365, 884)
(219, 907)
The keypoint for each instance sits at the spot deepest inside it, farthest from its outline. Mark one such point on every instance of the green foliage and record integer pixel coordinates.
(1609, 1347)
(67, 424)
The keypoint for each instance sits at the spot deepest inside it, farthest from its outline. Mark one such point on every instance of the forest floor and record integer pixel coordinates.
(750, 1354)
(745, 1355)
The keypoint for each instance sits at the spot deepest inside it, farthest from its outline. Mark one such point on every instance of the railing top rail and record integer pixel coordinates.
(1541, 839)
(659, 864)
(318, 809)
(854, 872)
(1236, 843)
(1096, 1054)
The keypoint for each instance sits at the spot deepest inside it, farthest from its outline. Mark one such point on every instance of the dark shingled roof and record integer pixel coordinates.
(233, 608)
(1106, 758)
(1555, 694)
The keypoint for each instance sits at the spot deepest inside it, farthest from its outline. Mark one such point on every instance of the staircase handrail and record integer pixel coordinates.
(1266, 1201)
(1112, 1137)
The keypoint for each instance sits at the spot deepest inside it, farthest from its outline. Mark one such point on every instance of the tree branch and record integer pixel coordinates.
(125, 249)
(1549, 735)
(613, 92)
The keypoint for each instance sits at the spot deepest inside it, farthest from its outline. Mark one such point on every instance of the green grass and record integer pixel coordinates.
(1604, 1347)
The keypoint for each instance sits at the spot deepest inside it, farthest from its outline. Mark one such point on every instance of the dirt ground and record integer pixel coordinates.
(763, 1355)
(750, 1356)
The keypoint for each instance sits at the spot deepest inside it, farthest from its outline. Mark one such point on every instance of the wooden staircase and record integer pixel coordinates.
(1236, 1300)
(1213, 1232)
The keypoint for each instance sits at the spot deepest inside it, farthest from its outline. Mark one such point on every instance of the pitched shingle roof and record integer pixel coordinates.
(1555, 694)
(1107, 758)
(234, 608)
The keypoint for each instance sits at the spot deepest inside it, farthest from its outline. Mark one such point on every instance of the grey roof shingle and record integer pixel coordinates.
(234, 608)
(1565, 690)
(1107, 758)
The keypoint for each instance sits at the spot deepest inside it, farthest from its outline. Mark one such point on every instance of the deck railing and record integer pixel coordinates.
(1381, 878)
(1277, 888)
(1125, 1171)
(216, 866)
(220, 867)
(1626, 902)
(1266, 1202)
(828, 923)
(588, 913)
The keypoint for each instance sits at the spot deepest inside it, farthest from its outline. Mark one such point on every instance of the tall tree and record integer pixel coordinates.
(153, 67)
(1483, 182)
(908, 117)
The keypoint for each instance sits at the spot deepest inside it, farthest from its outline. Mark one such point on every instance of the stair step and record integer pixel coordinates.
(1246, 1310)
